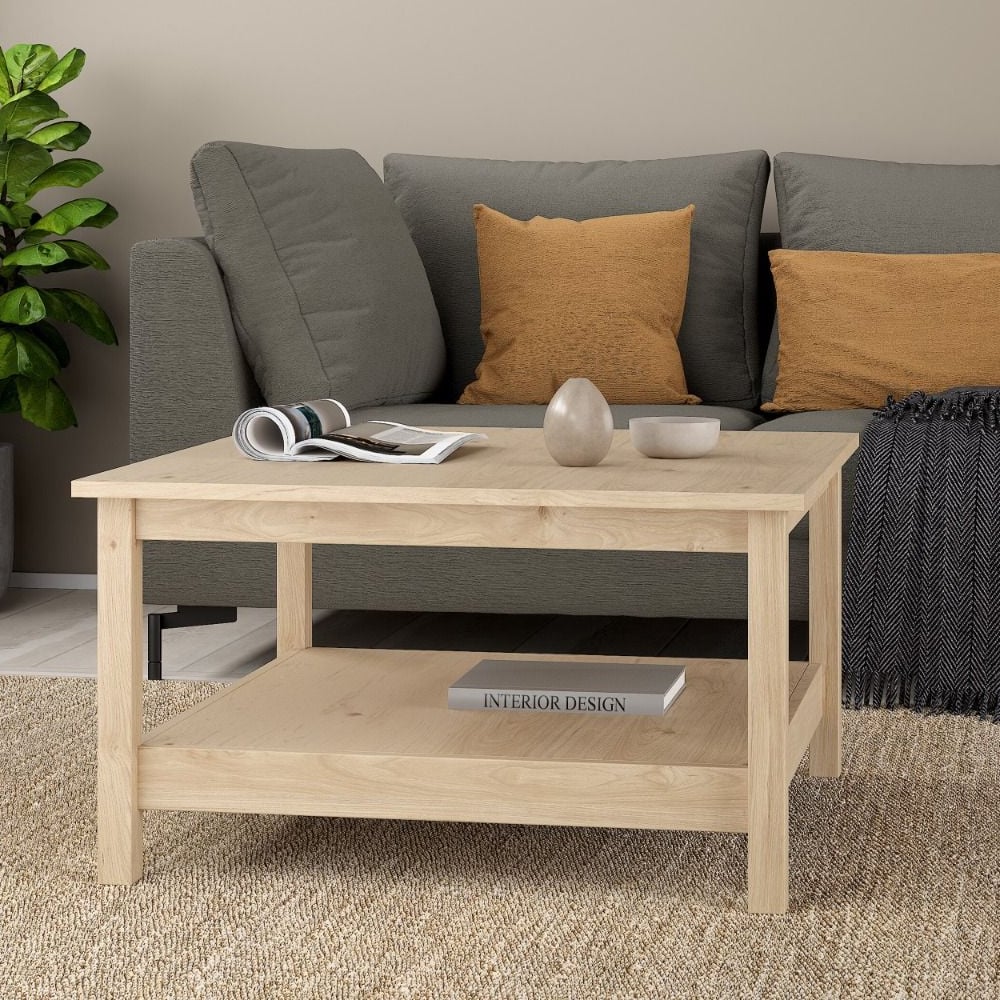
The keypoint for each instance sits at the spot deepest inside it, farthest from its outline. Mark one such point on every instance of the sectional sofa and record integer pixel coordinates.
(316, 277)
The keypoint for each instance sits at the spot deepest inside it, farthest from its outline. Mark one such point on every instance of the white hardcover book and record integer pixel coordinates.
(596, 688)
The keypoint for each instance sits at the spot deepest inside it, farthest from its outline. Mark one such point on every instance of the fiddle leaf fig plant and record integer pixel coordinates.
(33, 243)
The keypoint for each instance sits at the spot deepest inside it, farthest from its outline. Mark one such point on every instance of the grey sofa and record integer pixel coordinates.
(316, 278)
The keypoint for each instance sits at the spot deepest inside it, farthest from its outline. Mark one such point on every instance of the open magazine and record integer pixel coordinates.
(321, 429)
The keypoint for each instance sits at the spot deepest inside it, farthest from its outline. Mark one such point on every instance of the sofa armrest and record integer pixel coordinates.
(188, 379)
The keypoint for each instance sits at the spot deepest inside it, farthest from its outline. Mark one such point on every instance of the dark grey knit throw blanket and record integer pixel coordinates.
(922, 578)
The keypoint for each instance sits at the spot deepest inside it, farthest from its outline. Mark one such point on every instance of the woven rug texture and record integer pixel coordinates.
(895, 887)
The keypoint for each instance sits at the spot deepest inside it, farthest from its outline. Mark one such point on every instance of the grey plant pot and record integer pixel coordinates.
(6, 514)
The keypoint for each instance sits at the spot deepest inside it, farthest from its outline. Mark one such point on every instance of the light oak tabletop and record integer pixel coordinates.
(746, 471)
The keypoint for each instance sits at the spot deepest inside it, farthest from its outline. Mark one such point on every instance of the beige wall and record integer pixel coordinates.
(576, 79)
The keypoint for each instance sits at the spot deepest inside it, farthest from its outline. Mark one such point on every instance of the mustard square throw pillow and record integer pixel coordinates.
(601, 299)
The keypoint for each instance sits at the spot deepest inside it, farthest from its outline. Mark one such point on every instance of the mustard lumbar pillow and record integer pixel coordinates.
(857, 327)
(600, 299)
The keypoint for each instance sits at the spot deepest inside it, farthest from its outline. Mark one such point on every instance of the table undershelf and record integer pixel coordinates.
(362, 732)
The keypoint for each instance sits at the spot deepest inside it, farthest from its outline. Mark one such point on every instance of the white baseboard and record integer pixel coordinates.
(54, 581)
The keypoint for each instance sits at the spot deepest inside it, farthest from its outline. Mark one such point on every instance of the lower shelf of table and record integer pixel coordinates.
(349, 732)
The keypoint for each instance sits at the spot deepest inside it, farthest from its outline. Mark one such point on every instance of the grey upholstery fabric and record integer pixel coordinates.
(718, 338)
(508, 581)
(844, 421)
(769, 376)
(836, 203)
(328, 293)
(870, 206)
(530, 415)
(188, 380)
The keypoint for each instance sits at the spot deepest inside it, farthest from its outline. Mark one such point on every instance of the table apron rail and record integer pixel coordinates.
(442, 525)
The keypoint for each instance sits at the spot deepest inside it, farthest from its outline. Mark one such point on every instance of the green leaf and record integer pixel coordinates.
(16, 56)
(41, 59)
(45, 404)
(6, 87)
(28, 65)
(9, 402)
(39, 255)
(22, 306)
(92, 212)
(84, 255)
(20, 163)
(71, 306)
(53, 256)
(65, 71)
(22, 353)
(8, 355)
(53, 340)
(74, 172)
(19, 117)
(18, 215)
(61, 135)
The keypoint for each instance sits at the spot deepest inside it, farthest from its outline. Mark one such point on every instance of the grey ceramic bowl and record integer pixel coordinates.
(674, 437)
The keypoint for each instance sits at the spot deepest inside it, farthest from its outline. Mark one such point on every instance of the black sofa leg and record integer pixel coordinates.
(186, 616)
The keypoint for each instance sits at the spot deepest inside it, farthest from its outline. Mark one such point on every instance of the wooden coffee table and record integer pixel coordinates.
(332, 732)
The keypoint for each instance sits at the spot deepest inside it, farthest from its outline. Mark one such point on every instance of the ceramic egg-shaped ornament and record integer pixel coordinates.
(578, 425)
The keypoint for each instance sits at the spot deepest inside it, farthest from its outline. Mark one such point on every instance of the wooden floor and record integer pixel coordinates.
(54, 632)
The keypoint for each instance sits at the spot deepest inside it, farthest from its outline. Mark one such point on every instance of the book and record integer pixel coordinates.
(596, 688)
(322, 429)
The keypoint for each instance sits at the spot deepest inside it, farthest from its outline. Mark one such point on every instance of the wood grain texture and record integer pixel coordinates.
(119, 654)
(391, 701)
(478, 790)
(439, 525)
(294, 597)
(746, 471)
(368, 733)
(825, 590)
(768, 712)
(805, 707)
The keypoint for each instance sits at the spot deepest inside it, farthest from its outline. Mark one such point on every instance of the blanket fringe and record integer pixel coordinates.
(976, 407)
(892, 691)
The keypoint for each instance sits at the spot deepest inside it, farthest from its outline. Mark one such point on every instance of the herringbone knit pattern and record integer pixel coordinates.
(922, 580)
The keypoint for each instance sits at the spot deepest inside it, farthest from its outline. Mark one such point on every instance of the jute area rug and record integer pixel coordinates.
(895, 885)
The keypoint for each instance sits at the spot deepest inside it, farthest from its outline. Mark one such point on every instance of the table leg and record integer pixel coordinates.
(294, 596)
(767, 712)
(119, 693)
(825, 625)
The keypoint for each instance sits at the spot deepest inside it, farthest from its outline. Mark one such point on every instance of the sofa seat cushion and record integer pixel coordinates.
(532, 415)
(841, 421)
(718, 336)
(328, 293)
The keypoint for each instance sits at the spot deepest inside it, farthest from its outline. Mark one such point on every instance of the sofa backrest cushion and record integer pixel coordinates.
(718, 337)
(870, 206)
(328, 293)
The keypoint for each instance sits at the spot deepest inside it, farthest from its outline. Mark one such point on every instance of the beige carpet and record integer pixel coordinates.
(895, 887)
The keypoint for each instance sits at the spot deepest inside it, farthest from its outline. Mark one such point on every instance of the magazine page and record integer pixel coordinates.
(270, 432)
(385, 441)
